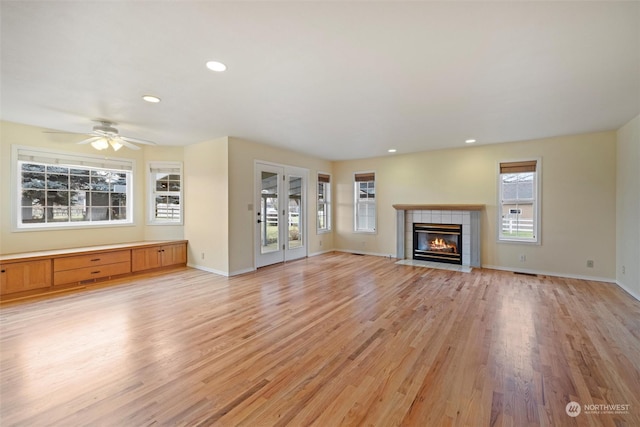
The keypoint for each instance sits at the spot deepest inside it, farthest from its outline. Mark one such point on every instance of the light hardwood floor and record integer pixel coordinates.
(332, 340)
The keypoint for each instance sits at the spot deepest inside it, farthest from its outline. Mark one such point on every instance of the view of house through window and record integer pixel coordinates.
(57, 190)
(324, 202)
(518, 201)
(166, 196)
(365, 202)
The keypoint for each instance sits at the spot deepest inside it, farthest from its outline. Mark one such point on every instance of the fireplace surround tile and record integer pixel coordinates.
(469, 219)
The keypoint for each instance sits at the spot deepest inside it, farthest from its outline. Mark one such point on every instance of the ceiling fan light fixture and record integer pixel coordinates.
(100, 144)
(115, 144)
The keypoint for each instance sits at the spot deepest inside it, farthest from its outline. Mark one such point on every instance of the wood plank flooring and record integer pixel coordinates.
(333, 340)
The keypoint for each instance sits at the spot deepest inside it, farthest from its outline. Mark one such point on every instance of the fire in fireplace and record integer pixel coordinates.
(438, 242)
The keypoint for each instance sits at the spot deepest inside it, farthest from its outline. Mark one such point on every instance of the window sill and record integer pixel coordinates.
(517, 241)
(70, 226)
(365, 232)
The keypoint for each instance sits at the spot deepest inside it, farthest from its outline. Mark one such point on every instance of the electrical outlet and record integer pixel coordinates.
(624, 270)
(589, 263)
(523, 258)
(202, 255)
(320, 243)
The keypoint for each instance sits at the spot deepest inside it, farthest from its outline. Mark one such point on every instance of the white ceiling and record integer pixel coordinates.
(337, 80)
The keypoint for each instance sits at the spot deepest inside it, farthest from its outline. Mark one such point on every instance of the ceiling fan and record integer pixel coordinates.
(105, 135)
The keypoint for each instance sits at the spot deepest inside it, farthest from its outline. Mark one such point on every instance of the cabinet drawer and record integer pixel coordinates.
(81, 261)
(92, 272)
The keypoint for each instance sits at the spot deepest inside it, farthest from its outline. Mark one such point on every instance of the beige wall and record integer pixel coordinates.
(578, 220)
(577, 206)
(23, 241)
(628, 207)
(242, 157)
(206, 193)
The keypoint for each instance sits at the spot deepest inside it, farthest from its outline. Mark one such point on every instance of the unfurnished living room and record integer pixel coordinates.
(319, 213)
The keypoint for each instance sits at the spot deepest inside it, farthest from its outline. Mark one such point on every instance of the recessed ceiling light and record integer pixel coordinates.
(151, 98)
(392, 150)
(470, 141)
(216, 66)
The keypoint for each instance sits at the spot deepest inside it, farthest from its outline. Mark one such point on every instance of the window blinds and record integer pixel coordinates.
(518, 167)
(366, 176)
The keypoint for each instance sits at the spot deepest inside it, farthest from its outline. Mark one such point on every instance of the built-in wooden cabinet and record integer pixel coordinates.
(41, 272)
(80, 268)
(158, 256)
(24, 276)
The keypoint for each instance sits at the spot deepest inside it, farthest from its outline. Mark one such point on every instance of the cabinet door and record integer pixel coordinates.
(146, 258)
(24, 276)
(174, 254)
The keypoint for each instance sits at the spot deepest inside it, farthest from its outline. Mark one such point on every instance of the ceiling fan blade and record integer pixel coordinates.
(127, 144)
(137, 140)
(65, 133)
(89, 140)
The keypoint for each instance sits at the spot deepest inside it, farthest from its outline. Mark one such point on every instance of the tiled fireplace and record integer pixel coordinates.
(468, 216)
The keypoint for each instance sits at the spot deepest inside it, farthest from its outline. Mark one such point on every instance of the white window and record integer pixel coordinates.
(365, 202)
(519, 201)
(324, 203)
(57, 190)
(165, 184)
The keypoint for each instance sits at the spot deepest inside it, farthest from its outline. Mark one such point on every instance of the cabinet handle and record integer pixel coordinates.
(3, 271)
(96, 259)
(95, 272)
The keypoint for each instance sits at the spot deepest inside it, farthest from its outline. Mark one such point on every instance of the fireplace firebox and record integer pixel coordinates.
(437, 242)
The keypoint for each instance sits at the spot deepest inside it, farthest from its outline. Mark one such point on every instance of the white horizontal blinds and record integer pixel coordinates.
(324, 178)
(68, 159)
(172, 170)
(518, 167)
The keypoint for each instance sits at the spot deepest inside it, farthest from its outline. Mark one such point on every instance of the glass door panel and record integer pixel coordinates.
(295, 212)
(269, 217)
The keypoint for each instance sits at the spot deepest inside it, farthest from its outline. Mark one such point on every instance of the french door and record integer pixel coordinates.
(280, 222)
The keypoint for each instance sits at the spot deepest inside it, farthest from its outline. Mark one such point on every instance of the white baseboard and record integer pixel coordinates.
(627, 290)
(550, 273)
(239, 272)
(207, 269)
(320, 253)
(365, 253)
(219, 272)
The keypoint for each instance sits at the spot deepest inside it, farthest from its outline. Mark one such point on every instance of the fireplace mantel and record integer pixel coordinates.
(438, 207)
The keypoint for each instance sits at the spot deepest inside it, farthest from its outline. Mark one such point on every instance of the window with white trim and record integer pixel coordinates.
(67, 190)
(519, 201)
(365, 202)
(324, 203)
(165, 184)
